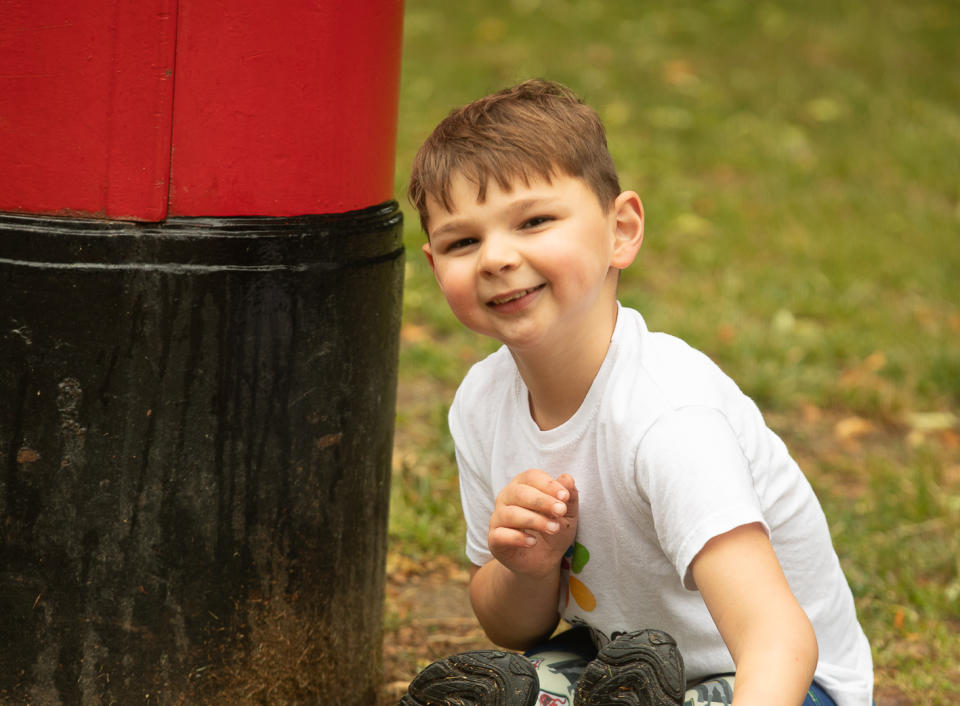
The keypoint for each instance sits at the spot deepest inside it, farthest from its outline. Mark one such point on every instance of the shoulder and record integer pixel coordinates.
(496, 371)
(665, 373)
(485, 387)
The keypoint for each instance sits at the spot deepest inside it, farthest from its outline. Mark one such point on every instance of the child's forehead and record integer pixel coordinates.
(464, 190)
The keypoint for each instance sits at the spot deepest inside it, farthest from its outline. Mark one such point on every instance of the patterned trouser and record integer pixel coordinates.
(717, 690)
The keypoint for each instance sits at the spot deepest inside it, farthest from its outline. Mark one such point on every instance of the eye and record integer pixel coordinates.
(459, 244)
(536, 221)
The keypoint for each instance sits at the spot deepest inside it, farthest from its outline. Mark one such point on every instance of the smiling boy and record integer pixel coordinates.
(610, 476)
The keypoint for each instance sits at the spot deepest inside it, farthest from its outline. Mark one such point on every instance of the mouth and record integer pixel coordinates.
(514, 295)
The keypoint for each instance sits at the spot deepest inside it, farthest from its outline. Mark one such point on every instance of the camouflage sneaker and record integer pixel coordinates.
(636, 669)
(481, 678)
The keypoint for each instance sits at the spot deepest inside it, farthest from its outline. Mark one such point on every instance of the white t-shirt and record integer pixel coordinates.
(666, 452)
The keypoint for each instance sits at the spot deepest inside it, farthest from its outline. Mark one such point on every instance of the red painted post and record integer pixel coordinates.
(279, 109)
(285, 112)
(86, 98)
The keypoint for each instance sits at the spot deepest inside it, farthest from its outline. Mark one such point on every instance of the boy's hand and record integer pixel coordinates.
(534, 522)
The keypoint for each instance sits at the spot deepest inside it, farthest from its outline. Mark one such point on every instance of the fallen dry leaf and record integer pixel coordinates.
(931, 421)
(851, 428)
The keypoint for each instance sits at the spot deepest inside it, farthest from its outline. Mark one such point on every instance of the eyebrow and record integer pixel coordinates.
(512, 208)
(448, 226)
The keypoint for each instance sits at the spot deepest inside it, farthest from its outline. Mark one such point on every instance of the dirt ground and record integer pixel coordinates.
(428, 617)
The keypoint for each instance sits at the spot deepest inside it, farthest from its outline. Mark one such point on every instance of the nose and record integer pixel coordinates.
(498, 253)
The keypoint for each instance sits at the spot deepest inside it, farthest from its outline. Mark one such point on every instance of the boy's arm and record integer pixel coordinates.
(516, 595)
(515, 611)
(767, 632)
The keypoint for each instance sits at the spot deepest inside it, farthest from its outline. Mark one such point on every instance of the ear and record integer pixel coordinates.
(428, 251)
(628, 236)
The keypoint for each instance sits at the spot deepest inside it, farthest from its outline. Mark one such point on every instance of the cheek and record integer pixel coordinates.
(457, 300)
(457, 288)
(575, 268)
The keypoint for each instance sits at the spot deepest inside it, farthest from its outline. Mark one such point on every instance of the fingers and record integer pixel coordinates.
(548, 485)
(501, 538)
(534, 522)
(572, 495)
(534, 501)
(536, 491)
(519, 518)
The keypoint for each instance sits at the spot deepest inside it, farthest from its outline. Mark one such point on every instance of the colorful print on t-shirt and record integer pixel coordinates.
(575, 558)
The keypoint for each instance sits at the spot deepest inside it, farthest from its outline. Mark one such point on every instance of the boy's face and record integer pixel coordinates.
(535, 265)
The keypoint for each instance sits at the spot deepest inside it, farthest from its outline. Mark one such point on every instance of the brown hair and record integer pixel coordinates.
(534, 129)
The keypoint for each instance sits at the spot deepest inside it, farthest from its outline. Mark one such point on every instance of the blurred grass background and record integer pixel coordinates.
(799, 163)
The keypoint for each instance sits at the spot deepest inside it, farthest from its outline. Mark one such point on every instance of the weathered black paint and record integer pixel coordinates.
(196, 425)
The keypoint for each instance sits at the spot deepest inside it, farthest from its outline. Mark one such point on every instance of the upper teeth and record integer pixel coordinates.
(511, 297)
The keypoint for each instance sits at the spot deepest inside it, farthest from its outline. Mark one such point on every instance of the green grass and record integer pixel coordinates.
(800, 168)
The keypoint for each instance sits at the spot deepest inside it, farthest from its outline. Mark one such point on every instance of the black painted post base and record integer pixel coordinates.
(196, 424)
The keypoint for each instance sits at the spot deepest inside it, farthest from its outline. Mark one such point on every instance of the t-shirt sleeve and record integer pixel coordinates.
(698, 481)
(476, 495)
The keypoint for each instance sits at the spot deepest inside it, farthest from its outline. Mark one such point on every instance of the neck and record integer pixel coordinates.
(558, 377)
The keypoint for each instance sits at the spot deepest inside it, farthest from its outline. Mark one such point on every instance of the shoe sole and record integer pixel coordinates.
(637, 669)
(480, 678)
